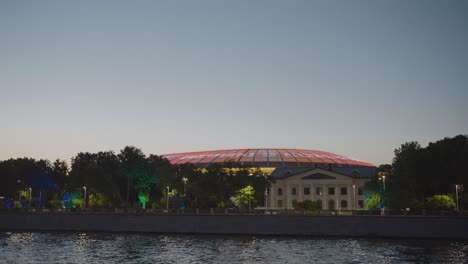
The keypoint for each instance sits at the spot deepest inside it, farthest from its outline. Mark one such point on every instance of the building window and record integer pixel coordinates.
(279, 203)
(294, 204)
(331, 190)
(306, 191)
(293, 191)
(319, 204)
(361, 203)
(331, 205)
(344, 204)
(318, 190)
(280, 191)
(359, 191)
(344, 191)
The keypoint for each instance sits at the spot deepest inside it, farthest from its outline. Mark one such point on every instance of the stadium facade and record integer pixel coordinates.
(332, 181)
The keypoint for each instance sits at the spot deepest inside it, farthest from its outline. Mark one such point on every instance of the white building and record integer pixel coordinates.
(329, 189)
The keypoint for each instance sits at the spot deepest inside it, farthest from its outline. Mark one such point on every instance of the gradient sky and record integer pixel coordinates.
(357, 78)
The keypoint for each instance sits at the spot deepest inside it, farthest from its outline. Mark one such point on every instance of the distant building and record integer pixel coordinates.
(332, 181)
(331, 189)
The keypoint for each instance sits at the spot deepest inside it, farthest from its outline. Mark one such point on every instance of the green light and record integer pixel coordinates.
(77, 200)
(144, 198)
(373, 200)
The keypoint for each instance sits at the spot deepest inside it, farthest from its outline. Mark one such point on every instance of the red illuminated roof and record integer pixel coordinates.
(265, 158)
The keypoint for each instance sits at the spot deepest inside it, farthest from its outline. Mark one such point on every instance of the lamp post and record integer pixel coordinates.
(456, 195)
(30, 193)
(354, 197)
(383, 182)
(266, 198)
(185, 185)
(167, 199)
(19, 193)
(84, 199)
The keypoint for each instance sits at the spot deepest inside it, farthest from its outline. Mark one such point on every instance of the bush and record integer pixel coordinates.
(304, 205)
(56, 203)
(440, 202)
(97, 200)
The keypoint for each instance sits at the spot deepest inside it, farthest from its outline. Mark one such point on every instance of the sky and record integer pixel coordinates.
(356, 78)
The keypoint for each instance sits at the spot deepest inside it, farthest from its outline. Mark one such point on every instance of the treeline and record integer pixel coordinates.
(423, 177)
(417, 178)
(129, 179)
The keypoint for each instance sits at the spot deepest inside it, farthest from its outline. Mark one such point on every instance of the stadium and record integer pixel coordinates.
(332, 181)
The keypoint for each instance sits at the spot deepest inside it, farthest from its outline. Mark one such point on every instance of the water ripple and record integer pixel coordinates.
(32, 247)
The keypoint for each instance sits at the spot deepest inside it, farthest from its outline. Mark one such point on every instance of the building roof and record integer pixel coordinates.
(357, 172)
(266, 157)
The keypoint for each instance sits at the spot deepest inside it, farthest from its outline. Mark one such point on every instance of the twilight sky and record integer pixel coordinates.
(357, 78)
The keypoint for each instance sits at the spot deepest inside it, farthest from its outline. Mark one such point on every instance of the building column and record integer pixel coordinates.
(312, 194)
(349, 191)
(325, 197)
(270, 197)
(300, 189)
(337, 197)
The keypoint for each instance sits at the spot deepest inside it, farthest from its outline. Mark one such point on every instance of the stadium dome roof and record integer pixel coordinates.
(267, 157)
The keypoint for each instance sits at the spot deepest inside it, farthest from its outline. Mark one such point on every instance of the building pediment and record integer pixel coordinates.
(318, 176)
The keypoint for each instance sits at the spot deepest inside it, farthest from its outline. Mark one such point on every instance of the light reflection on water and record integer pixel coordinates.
(16, 247)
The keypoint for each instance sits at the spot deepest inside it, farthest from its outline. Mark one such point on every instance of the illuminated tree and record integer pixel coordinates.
(97, 200)
(373, 200)
(77, 200)
(245, 197)
(373, 191)
(441, 202)
(143, 198)
(133, 163)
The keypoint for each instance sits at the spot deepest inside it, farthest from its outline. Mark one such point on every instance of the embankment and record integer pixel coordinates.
(347, 226)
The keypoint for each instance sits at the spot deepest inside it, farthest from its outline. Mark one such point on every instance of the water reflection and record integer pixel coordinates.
(141, 248)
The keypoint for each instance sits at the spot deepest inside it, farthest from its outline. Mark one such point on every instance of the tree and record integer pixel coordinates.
(373, 190)
(23, 173)
(133, 164)
(98, 200)
(440, 202)
(99, 172)
(418, 173)
(60, 173)
(245, 197)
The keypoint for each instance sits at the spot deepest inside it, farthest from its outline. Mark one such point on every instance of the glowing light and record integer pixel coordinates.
(144, 198)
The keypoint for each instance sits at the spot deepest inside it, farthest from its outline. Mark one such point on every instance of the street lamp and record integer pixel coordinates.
(383, 182)
(185, 185)
(266, 198)
(456, 195)
(19, 193)
(84, 199)
(354, 197)
(167, 199)
(30, 192)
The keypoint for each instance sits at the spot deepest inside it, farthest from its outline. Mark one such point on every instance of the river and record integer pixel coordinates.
(37, 247)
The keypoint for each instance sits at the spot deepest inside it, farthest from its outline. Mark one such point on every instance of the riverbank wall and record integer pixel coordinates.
(442, 227)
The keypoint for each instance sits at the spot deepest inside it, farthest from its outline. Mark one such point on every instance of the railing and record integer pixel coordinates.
(236, 211)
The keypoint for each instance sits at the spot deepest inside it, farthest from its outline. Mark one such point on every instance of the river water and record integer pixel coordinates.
(33, 247)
